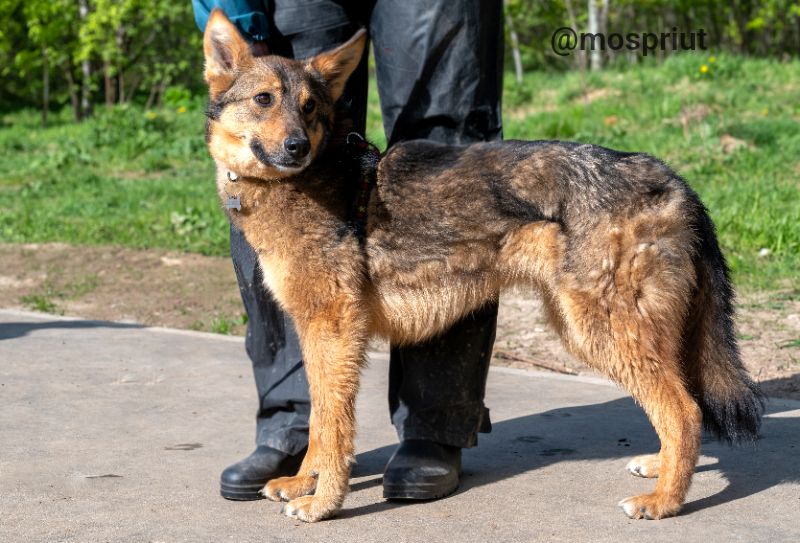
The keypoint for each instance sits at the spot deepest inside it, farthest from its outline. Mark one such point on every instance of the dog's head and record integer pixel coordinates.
(269, 116)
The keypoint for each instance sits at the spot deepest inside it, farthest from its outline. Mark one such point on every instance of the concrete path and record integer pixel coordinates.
(114, 432)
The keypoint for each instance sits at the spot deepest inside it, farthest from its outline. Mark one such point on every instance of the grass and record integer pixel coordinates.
(733, 133)
(126, 177)
(793, 343)
(46, 299)
(42, 303)
(221, 324)
(143, 179)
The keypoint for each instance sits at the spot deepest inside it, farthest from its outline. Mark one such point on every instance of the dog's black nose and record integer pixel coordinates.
(297, 147)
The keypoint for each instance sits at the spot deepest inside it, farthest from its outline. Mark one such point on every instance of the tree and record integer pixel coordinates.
(88, 52)
(52, 28)
(516, 55)
(598, 21)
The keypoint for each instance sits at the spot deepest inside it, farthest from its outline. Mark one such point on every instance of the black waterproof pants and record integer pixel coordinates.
(439, 75)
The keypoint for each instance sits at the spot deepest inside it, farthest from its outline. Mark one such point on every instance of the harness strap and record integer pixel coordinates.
(367, 156)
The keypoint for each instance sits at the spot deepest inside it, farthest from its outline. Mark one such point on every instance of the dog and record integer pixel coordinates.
(621, 250)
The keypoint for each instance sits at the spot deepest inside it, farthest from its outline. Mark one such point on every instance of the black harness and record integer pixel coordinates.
(366, 157)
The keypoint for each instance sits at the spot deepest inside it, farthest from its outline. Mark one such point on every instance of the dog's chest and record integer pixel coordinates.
(276, 278)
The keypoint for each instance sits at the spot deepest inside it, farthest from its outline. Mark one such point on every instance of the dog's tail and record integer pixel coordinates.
(731, 402)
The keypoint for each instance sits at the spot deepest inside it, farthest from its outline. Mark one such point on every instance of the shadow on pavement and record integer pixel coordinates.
(11, 330)
(783, 387)
(610, 430)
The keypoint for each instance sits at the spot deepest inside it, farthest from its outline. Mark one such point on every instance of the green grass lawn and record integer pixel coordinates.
(143, 178)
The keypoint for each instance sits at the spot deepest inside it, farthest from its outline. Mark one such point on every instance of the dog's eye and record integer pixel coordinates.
(309, 106)
(263, 99)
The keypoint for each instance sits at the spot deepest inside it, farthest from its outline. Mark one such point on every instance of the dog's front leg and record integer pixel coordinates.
(333, 344)
(305, 482)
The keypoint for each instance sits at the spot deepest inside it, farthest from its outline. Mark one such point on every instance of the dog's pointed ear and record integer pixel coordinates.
(337, 65)
(225, 50)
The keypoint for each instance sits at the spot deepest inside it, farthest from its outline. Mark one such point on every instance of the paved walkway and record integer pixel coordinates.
(114, 432)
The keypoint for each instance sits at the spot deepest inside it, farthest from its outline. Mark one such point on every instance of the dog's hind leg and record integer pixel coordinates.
(646, 465)
(655, 381)
(677, 420)
(628, 322)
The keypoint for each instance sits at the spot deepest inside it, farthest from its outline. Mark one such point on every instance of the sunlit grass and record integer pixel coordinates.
(143, 178)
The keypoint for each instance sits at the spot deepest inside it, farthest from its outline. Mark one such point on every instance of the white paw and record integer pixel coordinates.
(628, 506)
(634, 509)
(644, 466)
(635, 468)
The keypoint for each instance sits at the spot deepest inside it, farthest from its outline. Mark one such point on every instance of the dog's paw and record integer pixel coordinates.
(311, 508)
(649, 506)
(289, 488)
(646, 465)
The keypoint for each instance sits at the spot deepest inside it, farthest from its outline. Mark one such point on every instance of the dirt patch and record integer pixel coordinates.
(768, 331)
(179, 290)
(729, 144)
(156, 288)
(592, 95)
(523, 112)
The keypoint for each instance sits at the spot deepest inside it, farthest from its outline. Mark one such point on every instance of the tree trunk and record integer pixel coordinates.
(595, 55)
(86, 79)
(573, 21)
(120, 38)
(603, 23)
(514, 45)
(797, 33)
(109, 88)
(151, 98)
(741, 15)
(73, 93)
(45, 86)
(604, 17)
(86, 68)
(133, 87)
(716, 27)
(162, 86)
(121, 87)
(632, 20)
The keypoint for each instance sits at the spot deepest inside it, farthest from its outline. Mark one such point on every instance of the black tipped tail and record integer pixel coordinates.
(731, 402)
(737, 418)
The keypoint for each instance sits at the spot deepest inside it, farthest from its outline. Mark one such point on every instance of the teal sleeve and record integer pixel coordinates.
(249, 16)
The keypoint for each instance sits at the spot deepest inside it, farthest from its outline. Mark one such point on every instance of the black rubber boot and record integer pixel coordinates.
(422, 470)
(245, 479)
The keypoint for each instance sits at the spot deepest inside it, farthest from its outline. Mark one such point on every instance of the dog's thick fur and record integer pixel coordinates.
(619, 247)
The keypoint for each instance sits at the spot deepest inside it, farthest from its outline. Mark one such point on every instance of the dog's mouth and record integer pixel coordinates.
(280, 162)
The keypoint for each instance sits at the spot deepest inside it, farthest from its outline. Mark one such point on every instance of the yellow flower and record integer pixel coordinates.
(703, 69)
(765, 111)
(712, 60)
(150, 115)
(182, 109)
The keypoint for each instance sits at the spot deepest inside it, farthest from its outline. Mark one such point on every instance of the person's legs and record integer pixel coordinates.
(273, 348)
(439, 65)
(455, 366)
(439, 69)
(297, 31)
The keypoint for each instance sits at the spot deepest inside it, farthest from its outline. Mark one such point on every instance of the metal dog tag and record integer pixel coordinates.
(233, 202)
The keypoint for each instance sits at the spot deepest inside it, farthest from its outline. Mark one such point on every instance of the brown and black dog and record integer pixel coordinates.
(620, 248)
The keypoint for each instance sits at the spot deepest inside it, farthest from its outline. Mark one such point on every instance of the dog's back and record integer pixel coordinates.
(482, 217)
